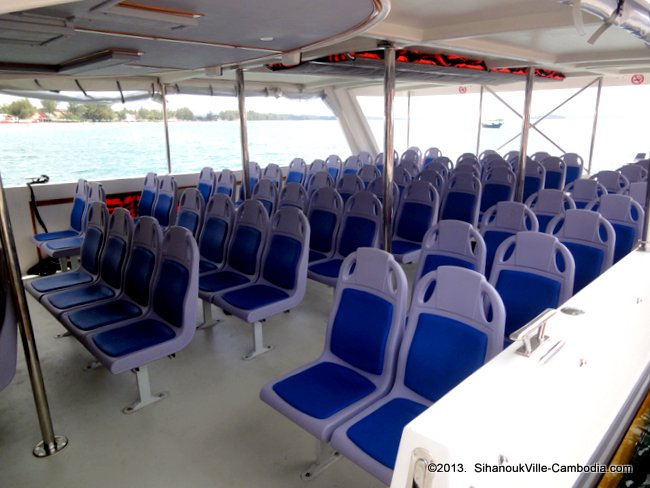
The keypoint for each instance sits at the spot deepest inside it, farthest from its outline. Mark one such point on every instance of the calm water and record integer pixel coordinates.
(66, 152)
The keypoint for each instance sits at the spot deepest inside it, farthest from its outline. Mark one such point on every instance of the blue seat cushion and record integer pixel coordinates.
(205, 189)
(625, 239)
(323, 224)
(329, 268)
(146, 203)
(493, 239)
(403, 247)
(75, 297)
(61, 280)
(244, 248)
(163, 208)
(589, 263)
(221, 280)
(460, 206)
(213, 239)
(572, 174)
(414, 221)
(255, 296)
(224, 190)
(553, 180)
(316, 256)
(60, 234)
(433, 261)
(324, 389)
(360, 330)
(106, 313)
(357, 232)
(71, 243)
(493, 194)
(443, 353)
(543, 221)
(205, 266)
(282, 260)
(531, 185)
(294, 177)
(138, 274)
(525, 295)
(188, 220)
(133, 337)
(378, 434)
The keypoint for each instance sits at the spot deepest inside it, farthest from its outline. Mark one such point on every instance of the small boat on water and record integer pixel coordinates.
(492, 124)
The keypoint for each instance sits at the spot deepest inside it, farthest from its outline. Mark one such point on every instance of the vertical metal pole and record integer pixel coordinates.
(241, 97)
(480, 119)
(50, 444)
(593, 130)
(389, 96)
(525, 127)
(163, 92)
(408, 118)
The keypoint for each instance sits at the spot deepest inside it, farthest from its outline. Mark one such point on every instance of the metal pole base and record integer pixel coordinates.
(92, 365)
(208, 320)
(44, 450)
(326, 456)
(144, 389)
(258, 343)
(61, 335)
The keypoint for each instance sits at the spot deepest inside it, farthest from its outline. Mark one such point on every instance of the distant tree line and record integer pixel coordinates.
(97, 112)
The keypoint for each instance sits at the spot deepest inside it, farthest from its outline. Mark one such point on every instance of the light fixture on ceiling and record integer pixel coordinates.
(150, 12)
(9, 7)
(267, 38)
(99, 60)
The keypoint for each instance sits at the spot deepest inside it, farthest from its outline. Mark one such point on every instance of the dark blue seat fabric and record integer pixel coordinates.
(221, 280)
(188, 220)
(358, 232)
(65, 243)
(254, 296)
(589, 262)
(205, 189)
(113, 259)
(553, 180)
(459, 206)
(76, 224)
(243, 257)
(454, 343)
(493, 194)
(163, 209)
(146, 202)
(572, 174)
(402, 247)
(62, 280)
(294, 177)
(103, 314)
(580, 204)
(531, 185)
(73, 298)
(324, 389)
(316, 256)
(322, 225)
(625, 240)
(362, 318)
(328, 268)
(543, 221)
(134, 337)
(414, 221)
(213, 240)
(516, 288)
(433, 262)
(283, 255)
(224, 190)
(59, 234)
(379, 433)
(170, 292)
(205, 266)
(493, 239)
(139, 274)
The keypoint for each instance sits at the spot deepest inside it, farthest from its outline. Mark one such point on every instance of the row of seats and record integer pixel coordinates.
(379, 370)
(133, 298)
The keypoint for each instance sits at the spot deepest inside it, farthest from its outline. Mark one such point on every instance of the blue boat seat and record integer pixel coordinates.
(534, 178)
(297, 171)
(591, 240)
(462, 198)
(574, 167)
(207, 183)
(190, 211)
(351, 165)
(134, 298)
(77, 216)
(319, 180)
(498, 186)
(367, 174)
(274, 173)
(325, 212)
(266, 192)
(634, 173)
(360, 227)
(226, 183)
(349, 184)
(255, 175)
(501, 221)
(164, 207)
(318, 165)
(626, 216)
(584, 190)
(148, 195)
(613, 181)
(555, 172)
(294, 195)
(532, 271)
(434, 177)
(451, 332)
(376, 187)
(417, 212)
(548, 203)
(91, 250)
(215, 234)
(357, 365)
(429, 155)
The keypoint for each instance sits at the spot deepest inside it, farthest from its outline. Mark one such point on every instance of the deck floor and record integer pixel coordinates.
(212, 431)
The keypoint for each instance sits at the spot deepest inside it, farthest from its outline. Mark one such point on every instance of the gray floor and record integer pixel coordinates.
(212, 431)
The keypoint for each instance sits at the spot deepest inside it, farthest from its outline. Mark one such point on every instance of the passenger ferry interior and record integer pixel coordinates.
(397, 315)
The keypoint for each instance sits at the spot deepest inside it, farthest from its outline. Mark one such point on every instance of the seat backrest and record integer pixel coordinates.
(274, 173)
(417, 212)
(411, 167)
(614, 181)
(626, 216)
(368, 313)
(165, 206)
(319, 180)
(286, 254)
(376, 187)
(638, 191)
(144, 260)
(493, 162)
(590, 238)
(177, 285)
(365, 158)
(352, 165)
(532, 271)
(402, 178)
(555, 172)
(79, 204)
(248, 239)
(217, 228)
(255, 174)
(455, 324)
(116, 247)
(574, 165)
(534, 178)
(148, 195)
(207, 183)
(190, 211)
(266, 191)
(539, 156)
(429, 155)
(368, 173)
(96, 192)
(467, 157)
(325, 213)
(348, 184)
(226, 182)
(94, 237)
(434, 177)
(294, 195)
(462, 198)
(583, 191)
(297, 171)
(8, 328)
(547, 203)
(412, 156)
(487, 154)
(361, 224)
(451, 243)
(498, 186)
(332, 165)
(501, 221)
(634, 172)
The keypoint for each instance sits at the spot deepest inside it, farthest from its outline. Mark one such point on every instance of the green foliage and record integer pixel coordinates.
(184, 113)
(48, 106)
(22, 109)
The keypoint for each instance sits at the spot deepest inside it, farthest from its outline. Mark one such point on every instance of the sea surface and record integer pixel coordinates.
(68, 151)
